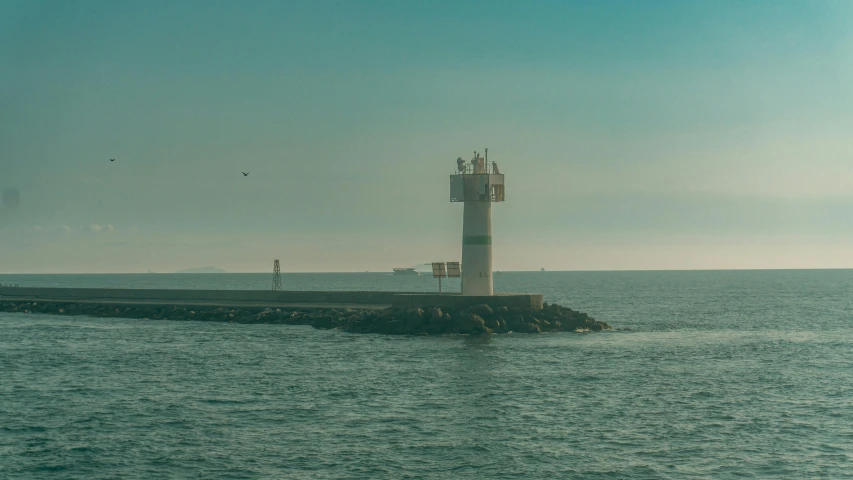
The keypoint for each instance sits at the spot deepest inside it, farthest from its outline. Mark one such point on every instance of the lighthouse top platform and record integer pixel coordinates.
(477, 181)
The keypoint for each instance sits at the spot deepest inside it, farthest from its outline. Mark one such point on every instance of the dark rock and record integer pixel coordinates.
(516, 322)
(471, 323)
(392, 327)
(482, 310)
(412, 325)
(323, 321)
(433, 315)
(414, 319)
(433, 329)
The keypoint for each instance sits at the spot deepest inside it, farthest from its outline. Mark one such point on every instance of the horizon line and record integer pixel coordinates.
(427, 273)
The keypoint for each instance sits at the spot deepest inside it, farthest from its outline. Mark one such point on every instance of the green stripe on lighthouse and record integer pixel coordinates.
(477, 240)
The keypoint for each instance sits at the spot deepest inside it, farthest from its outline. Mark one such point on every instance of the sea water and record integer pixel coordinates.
(707, 375)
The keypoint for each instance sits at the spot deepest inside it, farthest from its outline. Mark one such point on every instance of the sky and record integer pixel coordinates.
(633, 135)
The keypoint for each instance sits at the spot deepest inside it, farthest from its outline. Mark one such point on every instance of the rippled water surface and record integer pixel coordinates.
(709, 375)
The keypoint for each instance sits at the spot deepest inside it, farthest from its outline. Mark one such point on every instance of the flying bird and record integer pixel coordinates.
(245, 174)
(112, 159)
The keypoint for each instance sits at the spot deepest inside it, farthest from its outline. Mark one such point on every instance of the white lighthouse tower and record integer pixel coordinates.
(477, 184)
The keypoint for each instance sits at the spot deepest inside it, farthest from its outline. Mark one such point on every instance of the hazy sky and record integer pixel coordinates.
(633, 135)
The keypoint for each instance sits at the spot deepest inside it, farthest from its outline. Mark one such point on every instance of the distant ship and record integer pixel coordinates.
(405, 271)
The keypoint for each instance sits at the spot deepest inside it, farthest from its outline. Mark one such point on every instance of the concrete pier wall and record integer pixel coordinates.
(201, 296)
(265, 297)
(510, 300)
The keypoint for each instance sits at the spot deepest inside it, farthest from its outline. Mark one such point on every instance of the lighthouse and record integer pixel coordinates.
(477, 184)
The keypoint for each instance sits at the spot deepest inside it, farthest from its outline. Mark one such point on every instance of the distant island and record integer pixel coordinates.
(202, 270)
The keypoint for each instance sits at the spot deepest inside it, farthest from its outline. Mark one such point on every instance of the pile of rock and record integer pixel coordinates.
(479, 319)
(475, 320)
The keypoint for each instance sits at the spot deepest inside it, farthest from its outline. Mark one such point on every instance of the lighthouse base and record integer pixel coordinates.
(508, 300)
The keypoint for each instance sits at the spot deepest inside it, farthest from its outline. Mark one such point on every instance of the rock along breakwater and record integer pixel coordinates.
(478, 319)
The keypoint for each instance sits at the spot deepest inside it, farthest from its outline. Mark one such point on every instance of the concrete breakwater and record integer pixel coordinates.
(477, 319)
(266, 298)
